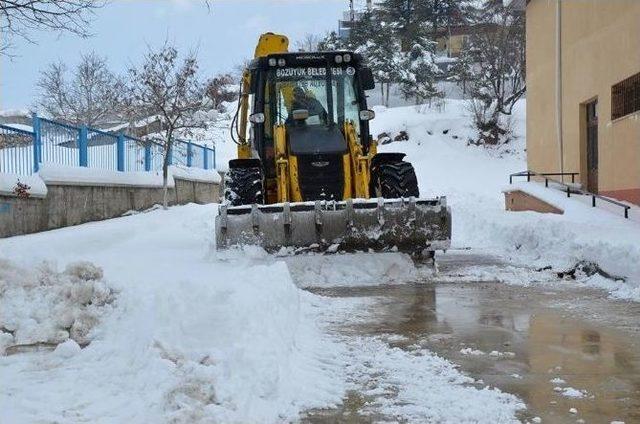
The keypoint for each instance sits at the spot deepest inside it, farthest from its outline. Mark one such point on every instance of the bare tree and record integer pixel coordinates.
(221, 88)
(308, 43)
(165, 86)
(91, 96)
(495, 74)
(20, 17)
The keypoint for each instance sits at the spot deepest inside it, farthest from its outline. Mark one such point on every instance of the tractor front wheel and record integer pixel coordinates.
(393, 180)
(244, 186)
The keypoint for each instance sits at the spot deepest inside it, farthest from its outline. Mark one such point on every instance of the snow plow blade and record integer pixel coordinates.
(410, 225)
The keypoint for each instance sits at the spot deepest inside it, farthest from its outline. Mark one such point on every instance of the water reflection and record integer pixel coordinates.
(601, 365)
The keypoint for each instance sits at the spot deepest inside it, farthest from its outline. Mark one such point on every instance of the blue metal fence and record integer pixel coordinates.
(16, 150)
(56, 143)
(22, 151)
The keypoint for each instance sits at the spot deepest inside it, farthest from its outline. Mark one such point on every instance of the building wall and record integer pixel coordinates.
(600, 47)
(452, 44)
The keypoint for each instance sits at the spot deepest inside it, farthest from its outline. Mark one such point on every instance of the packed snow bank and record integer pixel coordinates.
(79, 175)
(9, 183)
(254, 344)
(46, 306)
(473, 179)
(583, 234)
(358, 269)
(193, 337)
(195, 174)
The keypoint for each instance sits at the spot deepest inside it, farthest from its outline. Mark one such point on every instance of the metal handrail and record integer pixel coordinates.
(569, 188)
(529, 174)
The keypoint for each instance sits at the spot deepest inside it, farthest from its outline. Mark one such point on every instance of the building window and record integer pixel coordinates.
(625, 97)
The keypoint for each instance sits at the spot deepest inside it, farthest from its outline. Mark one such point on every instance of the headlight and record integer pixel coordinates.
(367, 115)
(281, 62)
(347, 58)
(338, 59)
(272, 61)
(257, 118)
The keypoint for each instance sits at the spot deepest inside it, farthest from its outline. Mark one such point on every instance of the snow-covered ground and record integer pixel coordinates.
(473, 179)
(172, 331)
(193, 335)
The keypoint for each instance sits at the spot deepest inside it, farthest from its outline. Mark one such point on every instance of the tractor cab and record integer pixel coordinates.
(312, 96)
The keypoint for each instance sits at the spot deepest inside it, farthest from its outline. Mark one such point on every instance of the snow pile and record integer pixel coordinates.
(571, 392)
(493, 353)
(246, 350)
(9, 182)
(194, 337)
(358, 269)
(471, 351)
(47, 306)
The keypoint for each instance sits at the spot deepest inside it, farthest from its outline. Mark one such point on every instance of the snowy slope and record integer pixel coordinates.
(473, 179)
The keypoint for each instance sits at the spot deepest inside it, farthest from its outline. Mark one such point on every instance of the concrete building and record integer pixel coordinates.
(451, 41)
(583, 92)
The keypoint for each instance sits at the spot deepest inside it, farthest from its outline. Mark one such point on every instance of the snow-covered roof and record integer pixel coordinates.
(10, 113)
(22, 127)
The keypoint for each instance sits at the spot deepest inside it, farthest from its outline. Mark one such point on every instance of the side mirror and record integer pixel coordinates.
(256, 118)
(366, 79)
(367, 115)
(300, 114)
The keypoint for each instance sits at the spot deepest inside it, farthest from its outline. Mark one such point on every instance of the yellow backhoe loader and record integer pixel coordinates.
(308, 174)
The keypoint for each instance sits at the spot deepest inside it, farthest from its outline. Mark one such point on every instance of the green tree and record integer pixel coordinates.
(419, 72)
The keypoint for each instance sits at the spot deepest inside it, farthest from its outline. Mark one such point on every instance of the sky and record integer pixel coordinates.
(224, 36)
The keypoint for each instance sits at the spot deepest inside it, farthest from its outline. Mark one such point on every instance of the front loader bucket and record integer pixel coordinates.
(411, 225)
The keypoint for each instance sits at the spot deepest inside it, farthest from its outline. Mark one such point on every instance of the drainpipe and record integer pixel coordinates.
(559, 84)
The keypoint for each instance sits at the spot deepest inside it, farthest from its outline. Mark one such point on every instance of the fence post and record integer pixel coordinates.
(213, 152)
(83, 145)
(37, 143)
(147, 156)
(189, 154)
(205, 157)
(120, 151)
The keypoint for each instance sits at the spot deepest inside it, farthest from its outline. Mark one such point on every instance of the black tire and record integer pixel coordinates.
(244, 186)
(393, 180)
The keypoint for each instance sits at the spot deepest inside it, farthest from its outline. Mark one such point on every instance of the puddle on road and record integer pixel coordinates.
(533, 344)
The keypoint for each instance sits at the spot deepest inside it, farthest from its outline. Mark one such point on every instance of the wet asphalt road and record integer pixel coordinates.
(573, 336)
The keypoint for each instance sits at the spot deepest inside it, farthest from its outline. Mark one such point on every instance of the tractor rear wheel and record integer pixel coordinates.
(243, 186)
(393, 180)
